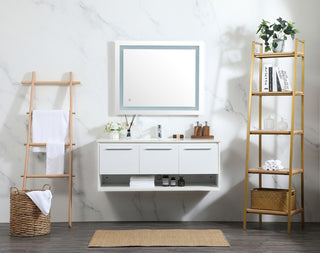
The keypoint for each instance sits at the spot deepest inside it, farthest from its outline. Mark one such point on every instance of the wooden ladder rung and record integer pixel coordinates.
(31, 113)
(50, 82)
(45, 144)
(49, 176)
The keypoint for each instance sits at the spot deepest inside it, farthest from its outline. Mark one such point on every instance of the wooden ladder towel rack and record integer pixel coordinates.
(29, 144)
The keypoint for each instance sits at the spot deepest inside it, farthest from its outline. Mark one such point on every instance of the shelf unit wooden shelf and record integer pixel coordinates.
(260, 211)
(279, 55)
(274, 172)
(276, 93)
(260, 132)
(289, 172)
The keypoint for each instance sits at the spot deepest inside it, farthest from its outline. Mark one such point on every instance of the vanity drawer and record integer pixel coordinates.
(119, 159)
(159, 159)
(199, 159)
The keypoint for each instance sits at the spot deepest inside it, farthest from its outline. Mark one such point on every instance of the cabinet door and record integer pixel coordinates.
(159, 159)
(118, 159)
(199, 159)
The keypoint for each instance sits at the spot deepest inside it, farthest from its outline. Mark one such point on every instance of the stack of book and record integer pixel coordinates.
(274, 79)
(142, 181)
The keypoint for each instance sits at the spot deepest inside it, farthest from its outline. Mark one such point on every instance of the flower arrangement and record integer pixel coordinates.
(113, 126)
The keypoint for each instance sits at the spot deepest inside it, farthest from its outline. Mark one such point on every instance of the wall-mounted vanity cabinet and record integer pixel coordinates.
(197, 160)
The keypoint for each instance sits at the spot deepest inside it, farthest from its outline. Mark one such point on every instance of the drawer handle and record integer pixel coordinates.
(158, 149)
(118, 149)
(197, 149)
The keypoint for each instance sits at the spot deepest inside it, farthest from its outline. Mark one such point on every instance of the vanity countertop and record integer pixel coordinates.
(157, 140)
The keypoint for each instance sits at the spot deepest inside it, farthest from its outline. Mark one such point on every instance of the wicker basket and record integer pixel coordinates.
(272, 199)
(26, 219)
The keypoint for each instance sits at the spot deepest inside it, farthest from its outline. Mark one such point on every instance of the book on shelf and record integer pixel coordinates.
(284, 80)
(274, 79)
(271, 78)
(279, 86)
(265, 81)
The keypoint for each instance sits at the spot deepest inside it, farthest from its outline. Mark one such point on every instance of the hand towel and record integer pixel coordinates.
(51, 127)
(55, 158)
(42, 199)
(142, 181)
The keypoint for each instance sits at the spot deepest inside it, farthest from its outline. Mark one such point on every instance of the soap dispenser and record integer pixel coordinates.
(198, 129)
(206, 129)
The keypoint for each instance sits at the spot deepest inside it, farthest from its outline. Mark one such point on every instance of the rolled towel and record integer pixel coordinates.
(272, 165)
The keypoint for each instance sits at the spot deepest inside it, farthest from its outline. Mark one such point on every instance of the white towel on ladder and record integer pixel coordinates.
(51, 127)
(55, 158)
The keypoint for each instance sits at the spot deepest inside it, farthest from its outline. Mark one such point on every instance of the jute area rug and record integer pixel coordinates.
(159, 237)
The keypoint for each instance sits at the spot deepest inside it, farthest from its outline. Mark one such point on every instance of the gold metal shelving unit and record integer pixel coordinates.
(292, 132)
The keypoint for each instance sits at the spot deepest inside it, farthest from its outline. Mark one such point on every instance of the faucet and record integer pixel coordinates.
(159, 131)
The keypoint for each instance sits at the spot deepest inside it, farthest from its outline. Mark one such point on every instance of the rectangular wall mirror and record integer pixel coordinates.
(157, 78)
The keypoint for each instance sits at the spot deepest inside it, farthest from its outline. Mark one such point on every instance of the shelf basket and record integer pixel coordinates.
(272, 199)
(26, 219)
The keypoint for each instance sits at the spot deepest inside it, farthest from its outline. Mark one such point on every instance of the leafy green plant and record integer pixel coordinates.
(281, 29)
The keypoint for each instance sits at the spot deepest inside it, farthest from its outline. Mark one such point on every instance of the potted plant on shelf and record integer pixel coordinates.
(114, 128)
(278, 31)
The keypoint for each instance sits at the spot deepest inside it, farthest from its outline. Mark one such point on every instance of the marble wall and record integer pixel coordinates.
(53, 37)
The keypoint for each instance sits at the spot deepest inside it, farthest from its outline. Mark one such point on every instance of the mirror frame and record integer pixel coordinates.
(120, 46)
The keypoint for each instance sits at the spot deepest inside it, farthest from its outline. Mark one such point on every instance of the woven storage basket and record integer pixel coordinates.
(272, 199)
(26, 219)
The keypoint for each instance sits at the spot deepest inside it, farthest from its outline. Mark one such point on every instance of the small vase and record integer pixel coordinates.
(269, 123)
(115, 135)
(277, 45)
(282, 125)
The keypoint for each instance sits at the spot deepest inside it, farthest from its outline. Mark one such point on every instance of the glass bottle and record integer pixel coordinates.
(268, 123)
(282, 125)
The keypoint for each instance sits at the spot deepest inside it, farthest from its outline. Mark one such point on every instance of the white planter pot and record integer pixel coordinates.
(277, 45)
(115, 135)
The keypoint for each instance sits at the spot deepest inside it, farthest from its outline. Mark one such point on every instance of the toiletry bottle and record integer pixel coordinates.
(198, 129)
(181, 181)
(173, 181)
(165, 180)
(159, 132)
(206, 129)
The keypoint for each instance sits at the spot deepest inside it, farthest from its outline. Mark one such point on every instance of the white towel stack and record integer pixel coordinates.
(142, 181)
(51, 127)
(272, 165)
